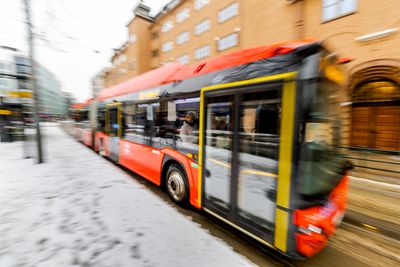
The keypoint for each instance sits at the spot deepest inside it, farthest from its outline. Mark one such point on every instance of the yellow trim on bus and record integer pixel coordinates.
(284, 76)
(120, 121)
(200, 161)
(5, 112)
(285, 152)
(112, 104)
(119, 117)
(285, 164)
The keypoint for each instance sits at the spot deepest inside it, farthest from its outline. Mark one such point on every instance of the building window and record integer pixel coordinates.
(122, 59)
(132, 38)
(184, 59)
(155, 53)
(202, 26)
(227, 42)
(154, 35)
(228, 12)
(202, 52)
(182, 38)
(119, 60)
(167, 26)
(167, 46)
(132, 64)
(199, 4)
(332, 9)
(182, 15)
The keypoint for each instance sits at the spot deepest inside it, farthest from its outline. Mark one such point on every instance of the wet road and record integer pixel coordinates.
(350, 246)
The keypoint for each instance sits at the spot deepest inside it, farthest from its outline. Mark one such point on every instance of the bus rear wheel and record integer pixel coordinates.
(177, 185)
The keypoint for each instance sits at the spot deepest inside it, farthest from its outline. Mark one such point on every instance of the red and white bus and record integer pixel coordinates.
(81, 129)
(251, 137)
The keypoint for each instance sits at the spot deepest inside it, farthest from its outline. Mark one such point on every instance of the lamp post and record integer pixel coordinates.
(29, 25)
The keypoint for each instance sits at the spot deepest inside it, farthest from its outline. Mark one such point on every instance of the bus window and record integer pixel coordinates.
(218, 150)
(180, 129)
(258, 156)
(101, 120)
(152, 127)
(135, 120)
(114, 125)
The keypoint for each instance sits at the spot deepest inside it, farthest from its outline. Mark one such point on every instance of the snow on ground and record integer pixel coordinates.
(78, 209)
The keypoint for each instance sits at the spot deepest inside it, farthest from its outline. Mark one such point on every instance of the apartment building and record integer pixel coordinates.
(367, 32)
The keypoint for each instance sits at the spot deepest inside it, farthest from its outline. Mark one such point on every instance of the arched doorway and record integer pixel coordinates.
(376, 108)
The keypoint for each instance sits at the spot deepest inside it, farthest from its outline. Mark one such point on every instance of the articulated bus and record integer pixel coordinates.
(251, 137)
(81, 129)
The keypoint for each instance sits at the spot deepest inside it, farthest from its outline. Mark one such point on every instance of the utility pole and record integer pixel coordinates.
(29, 25)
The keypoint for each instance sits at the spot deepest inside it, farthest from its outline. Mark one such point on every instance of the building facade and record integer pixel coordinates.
(99, 82)
(68, 100)
(51, 100)
(15, 93)
(368, 32)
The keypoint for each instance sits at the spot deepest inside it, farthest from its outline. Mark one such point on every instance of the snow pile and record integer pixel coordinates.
(78, 209)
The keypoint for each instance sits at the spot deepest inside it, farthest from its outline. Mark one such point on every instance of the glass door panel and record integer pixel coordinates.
(218, 151)
(258, 157)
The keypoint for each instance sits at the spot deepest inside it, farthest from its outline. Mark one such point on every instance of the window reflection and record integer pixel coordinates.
(218, 146)
(180, 129)
(259, 144)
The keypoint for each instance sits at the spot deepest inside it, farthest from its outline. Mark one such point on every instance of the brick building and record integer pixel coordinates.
(367, 31)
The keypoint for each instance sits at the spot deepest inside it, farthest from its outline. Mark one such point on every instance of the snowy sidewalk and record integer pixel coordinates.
(78, 209)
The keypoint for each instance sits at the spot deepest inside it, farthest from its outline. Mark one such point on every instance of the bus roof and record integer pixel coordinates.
(173, 72)
(238, 58)
(147, 80)
(82, 105)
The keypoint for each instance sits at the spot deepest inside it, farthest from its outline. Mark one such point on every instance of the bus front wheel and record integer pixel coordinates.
(177, 185)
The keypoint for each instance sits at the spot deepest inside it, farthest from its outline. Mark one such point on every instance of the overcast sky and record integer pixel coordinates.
(77, 36)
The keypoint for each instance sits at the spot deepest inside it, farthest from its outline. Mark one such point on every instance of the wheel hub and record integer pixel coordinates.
(176, 186)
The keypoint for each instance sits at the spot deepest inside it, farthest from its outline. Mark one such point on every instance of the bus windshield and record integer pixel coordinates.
(320, 164)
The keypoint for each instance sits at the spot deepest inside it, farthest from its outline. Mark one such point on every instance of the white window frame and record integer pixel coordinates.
(167, 46)
(202, 27)
(228, 41)
(182, 38)
(132, 38)
(228, 12)
(167, 26)
(184, 59)
(202, 52)
(199, 4)
(122, 58)
(183, 15)
(336, 7)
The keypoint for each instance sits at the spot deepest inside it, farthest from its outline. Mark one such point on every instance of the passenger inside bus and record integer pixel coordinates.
(189, 128)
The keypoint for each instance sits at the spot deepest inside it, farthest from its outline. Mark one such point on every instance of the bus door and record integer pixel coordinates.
(240, 147)
(114, 129)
